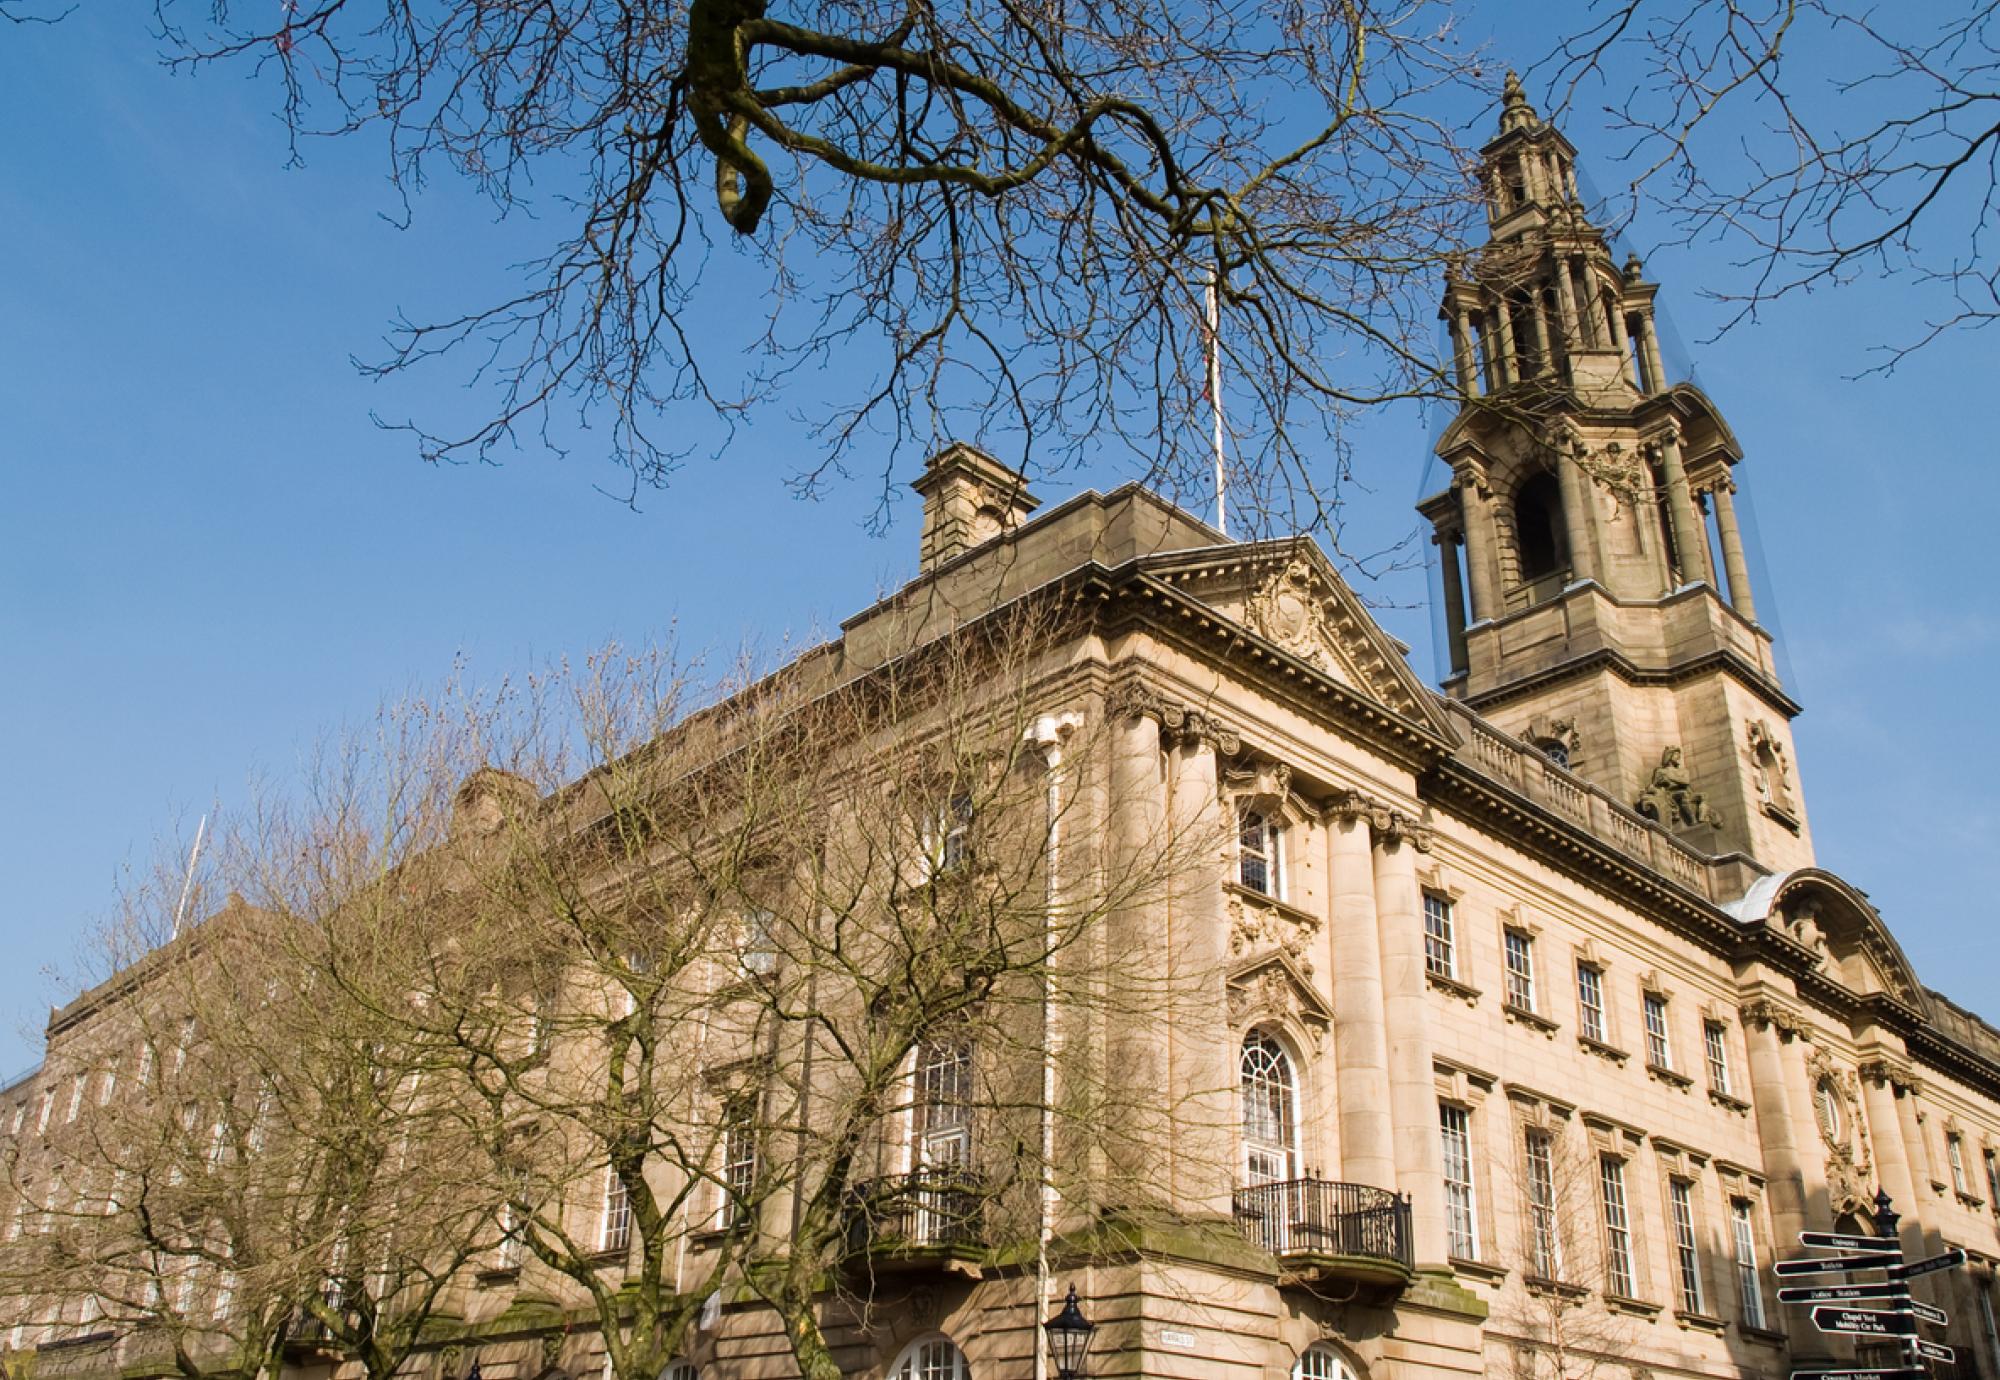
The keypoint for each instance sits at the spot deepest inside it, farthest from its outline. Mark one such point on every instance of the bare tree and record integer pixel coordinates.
(690, 982)
(1554, 1319)
(1828, 142)
(234, 1171)
(1006, 215)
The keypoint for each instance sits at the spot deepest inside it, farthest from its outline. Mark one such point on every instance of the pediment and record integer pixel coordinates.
(1272, 988)
(1288, 594)
(1838, 930)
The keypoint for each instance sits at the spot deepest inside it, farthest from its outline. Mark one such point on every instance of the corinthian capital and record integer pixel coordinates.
(1178, 722)
(1345, 805)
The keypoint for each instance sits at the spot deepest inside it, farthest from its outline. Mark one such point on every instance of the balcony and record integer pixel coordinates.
(1329, 1230)
(924, 1217)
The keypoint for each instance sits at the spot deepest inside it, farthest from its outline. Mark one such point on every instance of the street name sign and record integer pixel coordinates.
(1836, 1264)
(1841, 1293)
(1936, 1317)
(1841, 1241)
(1948, 1260)
(1890, 1373)
(1864, 1322)
(1934, 1351)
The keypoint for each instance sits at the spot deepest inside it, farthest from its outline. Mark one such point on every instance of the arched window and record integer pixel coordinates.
(1540, 540)
(1270, 1111)
(1321, 1363)
(933, 1358)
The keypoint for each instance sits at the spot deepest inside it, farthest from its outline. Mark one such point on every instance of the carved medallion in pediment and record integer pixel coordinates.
(1298, 610)
(1290, 610)
(1272, 988)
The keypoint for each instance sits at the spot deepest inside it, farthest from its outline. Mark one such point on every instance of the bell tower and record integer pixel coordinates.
(1597, 595)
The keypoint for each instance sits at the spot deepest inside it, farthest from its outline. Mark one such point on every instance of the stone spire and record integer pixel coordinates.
(1515, 112)
(1588, 600)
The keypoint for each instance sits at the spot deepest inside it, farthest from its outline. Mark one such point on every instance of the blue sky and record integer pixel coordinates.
(208, 554)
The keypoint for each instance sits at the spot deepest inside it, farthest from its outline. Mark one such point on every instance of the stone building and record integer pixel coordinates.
(1538, 1029)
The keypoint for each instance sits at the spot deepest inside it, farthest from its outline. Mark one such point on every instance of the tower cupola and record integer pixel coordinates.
(1596, 585)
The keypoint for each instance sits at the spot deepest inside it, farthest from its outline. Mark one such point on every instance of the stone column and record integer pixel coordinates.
(1545, 363)
(1919, 1222)
(1413, 1103)
(1454, 597)
(1768, 1028)
(1202, 1067)
(1461, 352)
(1575, 485)
(1655, 371)
(1139, 1136)
(1505, 317)
(1892, 1156)
(1566, 305)
(1732, 550)
(1590, 307)
(1479, 565)
(1690, 538)
(1360, 1043)
(1620, 340)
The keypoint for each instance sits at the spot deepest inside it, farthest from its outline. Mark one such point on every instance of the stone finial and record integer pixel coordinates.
(969, 499)
(489, 800)
(1635, 271)
(1515, 112)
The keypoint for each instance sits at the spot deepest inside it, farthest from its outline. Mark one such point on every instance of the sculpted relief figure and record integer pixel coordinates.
(1671, 798)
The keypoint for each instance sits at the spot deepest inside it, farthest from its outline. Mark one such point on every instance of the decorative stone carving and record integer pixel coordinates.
(1801, 922)
(1289, 611)
(1837, 1113)
(1268, 785)
(1298, 611)
(1617, 469)
(1770, 772)
(1272, 988)
(1671, 799)
(1763, 1012)
(1257, 928)
(1178, 722)
(1390, 825)
(1556, 739)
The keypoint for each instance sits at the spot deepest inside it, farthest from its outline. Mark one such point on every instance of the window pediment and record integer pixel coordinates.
(1273, 988)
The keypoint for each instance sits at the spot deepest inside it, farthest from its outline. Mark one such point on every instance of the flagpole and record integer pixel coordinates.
(1214, 342)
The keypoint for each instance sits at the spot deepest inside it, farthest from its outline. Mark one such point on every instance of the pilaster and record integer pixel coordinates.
(1405, 997)
(1360, 1037)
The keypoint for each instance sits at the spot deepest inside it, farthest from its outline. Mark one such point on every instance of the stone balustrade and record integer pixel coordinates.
(1529, 772)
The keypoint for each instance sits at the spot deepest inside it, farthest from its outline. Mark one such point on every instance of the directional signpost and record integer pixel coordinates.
(1936, 1317)
(1864, 1322)
(1877, 1308)
(1840, 1293)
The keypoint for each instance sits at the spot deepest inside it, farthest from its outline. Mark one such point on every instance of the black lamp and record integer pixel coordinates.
(1069, 1338)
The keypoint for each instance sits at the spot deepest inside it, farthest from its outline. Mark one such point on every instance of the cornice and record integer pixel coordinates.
(1133, 597)
(1632, 673)
(1497, 808)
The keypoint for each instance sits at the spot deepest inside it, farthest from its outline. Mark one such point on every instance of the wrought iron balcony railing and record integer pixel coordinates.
(1318, 1217)
(925, 1210)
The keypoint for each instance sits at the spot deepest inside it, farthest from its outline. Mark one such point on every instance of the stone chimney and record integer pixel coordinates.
(969, 499)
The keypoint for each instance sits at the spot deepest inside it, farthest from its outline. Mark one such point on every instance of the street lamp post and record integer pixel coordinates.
(1069, 1338)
